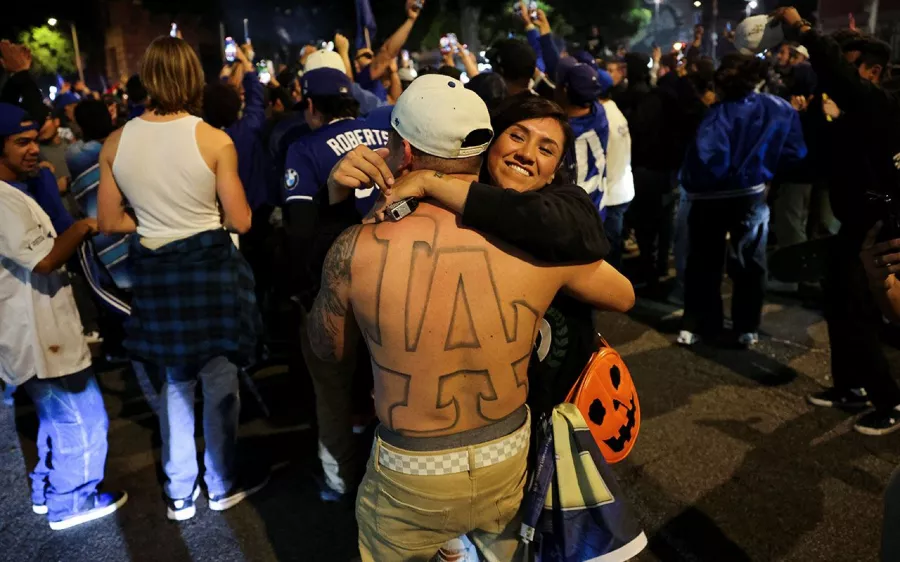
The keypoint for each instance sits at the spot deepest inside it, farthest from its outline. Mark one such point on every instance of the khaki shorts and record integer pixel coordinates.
(408, 517)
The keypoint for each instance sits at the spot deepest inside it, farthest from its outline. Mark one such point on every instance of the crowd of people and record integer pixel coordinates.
(426, 239)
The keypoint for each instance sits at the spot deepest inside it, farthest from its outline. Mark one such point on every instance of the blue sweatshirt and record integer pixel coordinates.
(739, 147)
(246, 132)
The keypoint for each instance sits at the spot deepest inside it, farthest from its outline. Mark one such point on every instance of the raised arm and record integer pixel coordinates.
(391, 48)
(331, 326)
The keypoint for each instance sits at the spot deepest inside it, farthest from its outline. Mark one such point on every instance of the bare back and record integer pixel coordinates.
(449, 319)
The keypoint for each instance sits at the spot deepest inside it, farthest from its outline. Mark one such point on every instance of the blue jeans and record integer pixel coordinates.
(221, 406)
(681, 236)
(746, 219)
(613, 224)
(72, 445)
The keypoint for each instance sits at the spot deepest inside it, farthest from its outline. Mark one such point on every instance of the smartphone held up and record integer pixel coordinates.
(230, 49)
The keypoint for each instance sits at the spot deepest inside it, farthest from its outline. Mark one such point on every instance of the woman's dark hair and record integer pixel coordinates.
(739, 75)
(221, 104)
(490, 87)
(526, 106)
(335, 107)
(94, 120)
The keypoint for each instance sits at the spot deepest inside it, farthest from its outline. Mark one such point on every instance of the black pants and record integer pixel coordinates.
(854, 321)
(746, 219)
(652, 213)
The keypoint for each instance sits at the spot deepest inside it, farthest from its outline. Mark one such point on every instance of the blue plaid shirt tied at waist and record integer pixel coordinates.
(193, 300)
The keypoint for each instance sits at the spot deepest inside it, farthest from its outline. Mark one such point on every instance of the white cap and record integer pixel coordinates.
(437, 114)
(802, 50)
(756, 34)
(324, 59)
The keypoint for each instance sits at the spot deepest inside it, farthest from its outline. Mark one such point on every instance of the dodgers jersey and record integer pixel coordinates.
(591, 142)
(311, 157)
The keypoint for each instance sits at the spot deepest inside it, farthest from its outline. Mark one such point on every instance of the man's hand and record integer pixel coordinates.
(15, 58)
(657, 55)
(241, 54)
(800, 103)
(393, 66)
(341, 44)
(542, 23)
(829, 108)
(91, 224)
(412, 8)
(525, 14)
(410, 185)
(360, 168)
(789, 16)
(880, 260)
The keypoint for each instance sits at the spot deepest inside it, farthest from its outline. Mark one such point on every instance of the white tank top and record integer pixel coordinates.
(160, 171)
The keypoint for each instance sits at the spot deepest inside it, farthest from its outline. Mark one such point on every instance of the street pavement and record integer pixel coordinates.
(731, 465)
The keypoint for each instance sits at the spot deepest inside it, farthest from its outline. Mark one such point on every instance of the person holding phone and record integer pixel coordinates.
(371, 67)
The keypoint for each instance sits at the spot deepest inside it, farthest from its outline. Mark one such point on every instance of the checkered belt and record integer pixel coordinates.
(456, 461)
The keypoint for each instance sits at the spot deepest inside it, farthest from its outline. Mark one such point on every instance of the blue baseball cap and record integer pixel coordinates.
(605, 79)
(62, 100)
(11, 119)
(325, 82)
(580, 81)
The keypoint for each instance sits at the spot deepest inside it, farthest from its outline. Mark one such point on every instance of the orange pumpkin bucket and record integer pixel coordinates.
(606, 396)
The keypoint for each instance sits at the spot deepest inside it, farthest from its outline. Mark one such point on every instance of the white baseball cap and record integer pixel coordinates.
(802, 50)
(324, 59)
(440, 117)
(756, 34)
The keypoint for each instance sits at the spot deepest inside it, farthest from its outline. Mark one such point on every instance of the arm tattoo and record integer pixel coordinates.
(327, 317)
(439, 174)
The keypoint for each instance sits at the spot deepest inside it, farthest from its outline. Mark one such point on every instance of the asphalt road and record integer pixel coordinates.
(731, 464)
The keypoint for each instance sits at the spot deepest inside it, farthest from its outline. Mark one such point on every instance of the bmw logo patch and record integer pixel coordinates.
(291, 178)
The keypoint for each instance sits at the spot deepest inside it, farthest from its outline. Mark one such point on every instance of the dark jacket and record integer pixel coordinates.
(254, 168)
(862, 146)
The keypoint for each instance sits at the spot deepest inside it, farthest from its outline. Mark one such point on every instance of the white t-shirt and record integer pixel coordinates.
(619, 179)
(40, 330)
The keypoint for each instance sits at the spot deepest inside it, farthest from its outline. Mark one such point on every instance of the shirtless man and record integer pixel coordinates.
(449, 317)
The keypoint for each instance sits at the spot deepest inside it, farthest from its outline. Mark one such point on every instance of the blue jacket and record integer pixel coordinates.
(253, 164)
(739, 147)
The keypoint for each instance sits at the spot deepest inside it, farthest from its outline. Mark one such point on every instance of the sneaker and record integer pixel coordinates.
(97, 506)
(879, 422)
(40, 508)
(687, 338)
(748, 340)
(840, 398)
(183, 509)
(238, 493)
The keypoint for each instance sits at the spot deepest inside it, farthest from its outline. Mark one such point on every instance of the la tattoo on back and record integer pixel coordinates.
(463, 351)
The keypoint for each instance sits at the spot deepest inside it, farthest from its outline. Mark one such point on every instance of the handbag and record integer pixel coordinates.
(607, 399)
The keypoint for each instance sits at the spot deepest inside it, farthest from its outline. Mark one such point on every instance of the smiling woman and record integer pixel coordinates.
(533, 137)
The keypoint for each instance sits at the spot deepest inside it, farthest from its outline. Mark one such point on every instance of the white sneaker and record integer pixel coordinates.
(748, 340)
(687, 338)
(40, 509)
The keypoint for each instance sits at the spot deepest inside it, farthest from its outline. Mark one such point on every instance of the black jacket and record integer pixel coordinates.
(862, 146)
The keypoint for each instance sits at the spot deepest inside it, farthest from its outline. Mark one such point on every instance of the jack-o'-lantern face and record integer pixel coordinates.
(609, 403)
